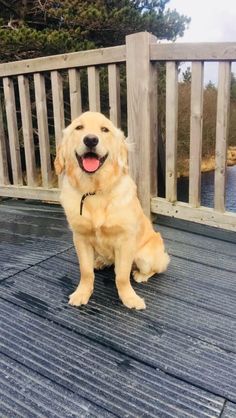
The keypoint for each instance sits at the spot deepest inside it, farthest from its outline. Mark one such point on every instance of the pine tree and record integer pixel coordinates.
(32, 28)
(187, 75)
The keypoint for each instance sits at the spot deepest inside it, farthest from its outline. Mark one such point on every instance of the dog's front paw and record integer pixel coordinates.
(134, 302)
(79, 297)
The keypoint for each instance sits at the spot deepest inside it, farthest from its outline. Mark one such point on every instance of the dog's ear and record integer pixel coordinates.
(59, 162)
(123, 154)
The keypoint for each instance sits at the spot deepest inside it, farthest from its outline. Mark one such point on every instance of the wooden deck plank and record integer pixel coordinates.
(229, 410)
(184, 341)
(28, 393)
(24, 239)
(195, 240)
(204, 286)
(173, 337)
(142, 391)
(203, 256)
(178, 311)
(197, 229)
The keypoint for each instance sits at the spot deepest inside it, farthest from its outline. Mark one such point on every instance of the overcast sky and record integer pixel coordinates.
(211, 21)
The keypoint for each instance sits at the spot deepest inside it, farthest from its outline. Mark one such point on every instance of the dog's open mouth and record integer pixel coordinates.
(90, 162)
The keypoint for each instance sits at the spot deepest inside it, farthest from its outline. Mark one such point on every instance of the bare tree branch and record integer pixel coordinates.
(9, 7)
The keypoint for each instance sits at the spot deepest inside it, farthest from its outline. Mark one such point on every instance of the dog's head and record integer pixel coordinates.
(92, 146)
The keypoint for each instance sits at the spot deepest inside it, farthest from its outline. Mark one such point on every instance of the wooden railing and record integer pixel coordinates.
(141, 55)
(32, 184)
(197, 54)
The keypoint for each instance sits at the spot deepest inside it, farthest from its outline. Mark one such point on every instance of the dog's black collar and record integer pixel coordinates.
(82, 201)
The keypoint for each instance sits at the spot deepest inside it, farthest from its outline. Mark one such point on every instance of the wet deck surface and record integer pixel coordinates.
(176, 359)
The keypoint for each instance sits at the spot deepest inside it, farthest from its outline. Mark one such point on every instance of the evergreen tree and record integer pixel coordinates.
(32, 28)
(187, 75)
(233, 86)
(210, 86)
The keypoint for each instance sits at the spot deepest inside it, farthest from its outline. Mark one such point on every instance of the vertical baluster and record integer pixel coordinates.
(44, 145)
(58, 105)
(114, 93)
(171, 130)
(75, 93)
(26, 117)
(196, 134)
(94, 89)
(4, 178)
(12, 130)
(222, 126)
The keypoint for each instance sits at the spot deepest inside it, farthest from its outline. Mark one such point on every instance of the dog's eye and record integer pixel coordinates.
(104, 129)
(79, 127)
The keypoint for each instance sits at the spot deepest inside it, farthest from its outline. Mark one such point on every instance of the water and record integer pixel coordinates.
(207, 189)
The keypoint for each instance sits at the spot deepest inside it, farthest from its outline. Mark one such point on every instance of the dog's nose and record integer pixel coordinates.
(90, 141)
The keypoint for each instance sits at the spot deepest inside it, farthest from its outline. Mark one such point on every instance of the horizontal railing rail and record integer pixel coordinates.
(80, 59)
(204, 51)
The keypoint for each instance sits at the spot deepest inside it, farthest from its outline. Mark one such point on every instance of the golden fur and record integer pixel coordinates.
(113, 228)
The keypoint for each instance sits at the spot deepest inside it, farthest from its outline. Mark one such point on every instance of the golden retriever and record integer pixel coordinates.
(103, 211)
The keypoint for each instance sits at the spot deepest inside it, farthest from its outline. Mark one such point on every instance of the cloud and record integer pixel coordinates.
(211, 21)
(228, 26)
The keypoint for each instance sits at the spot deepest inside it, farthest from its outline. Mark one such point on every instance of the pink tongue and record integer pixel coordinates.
(90, 164)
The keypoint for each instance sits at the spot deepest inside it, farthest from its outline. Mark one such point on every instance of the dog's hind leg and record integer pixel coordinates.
(150, 259)
(140, 277)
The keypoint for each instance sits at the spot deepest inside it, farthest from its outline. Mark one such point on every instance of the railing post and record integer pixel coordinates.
(142, 115)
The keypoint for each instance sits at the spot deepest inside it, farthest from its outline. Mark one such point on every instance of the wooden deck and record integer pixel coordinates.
(176, 359)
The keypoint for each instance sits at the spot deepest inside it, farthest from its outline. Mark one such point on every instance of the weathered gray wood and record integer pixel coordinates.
(205, 51)
(203, 215)
(222, 126)
(12, 130)
(171, 130)
(25, 192)
(196, 134)
(114, 93)
(27, 127)
(58, 105)
(94, 89)
(141, 124)
(159, 52)
(44, 146)
(142, 52)
(75, 93)
(4, 178)
(154, 128)
(71, 60)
